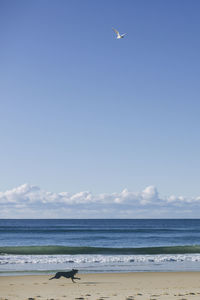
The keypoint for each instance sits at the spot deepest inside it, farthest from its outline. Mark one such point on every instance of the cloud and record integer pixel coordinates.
(29, 201)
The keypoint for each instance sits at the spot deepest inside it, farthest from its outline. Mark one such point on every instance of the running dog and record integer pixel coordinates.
(69, 274)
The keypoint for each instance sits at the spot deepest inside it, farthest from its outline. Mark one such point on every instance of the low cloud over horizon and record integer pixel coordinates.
(29, 201)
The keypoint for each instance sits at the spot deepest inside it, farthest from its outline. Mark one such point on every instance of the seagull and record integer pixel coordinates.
(119, 36)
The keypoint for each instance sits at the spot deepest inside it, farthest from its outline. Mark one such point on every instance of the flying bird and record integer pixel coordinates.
(119, 36)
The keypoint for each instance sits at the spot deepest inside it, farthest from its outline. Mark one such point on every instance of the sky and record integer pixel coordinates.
(90, 116)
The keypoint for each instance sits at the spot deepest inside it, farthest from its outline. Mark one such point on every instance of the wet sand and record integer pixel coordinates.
(118, 286)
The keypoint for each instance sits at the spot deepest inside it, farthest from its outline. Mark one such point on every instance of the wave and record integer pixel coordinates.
(5, 230)
(54, 250)
(47, 230)
(94, 260)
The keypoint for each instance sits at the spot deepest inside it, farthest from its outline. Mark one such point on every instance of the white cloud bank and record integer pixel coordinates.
(28, 201)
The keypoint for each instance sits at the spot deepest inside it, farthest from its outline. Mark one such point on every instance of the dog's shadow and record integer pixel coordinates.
(90, 282)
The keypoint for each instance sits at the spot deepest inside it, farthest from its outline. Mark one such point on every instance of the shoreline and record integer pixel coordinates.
(99, 286)
(52, 272)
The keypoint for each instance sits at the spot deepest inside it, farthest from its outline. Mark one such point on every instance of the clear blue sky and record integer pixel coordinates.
(81, 110)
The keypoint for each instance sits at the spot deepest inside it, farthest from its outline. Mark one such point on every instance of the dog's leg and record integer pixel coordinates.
(75, 278)
(72, 278)
(55, 277)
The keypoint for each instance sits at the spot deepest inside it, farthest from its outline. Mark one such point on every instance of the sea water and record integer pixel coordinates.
(99, 245)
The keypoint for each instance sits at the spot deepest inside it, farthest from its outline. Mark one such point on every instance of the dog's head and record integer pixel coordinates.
(74, 271)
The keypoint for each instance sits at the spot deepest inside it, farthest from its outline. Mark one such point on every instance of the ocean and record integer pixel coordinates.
(99, 245)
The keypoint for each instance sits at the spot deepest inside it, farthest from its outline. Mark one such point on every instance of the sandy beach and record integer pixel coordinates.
(127, 286)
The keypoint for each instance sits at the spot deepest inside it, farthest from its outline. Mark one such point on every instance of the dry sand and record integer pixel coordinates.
(125, 286)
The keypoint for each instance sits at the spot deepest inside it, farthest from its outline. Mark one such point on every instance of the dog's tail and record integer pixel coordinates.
(52, 277)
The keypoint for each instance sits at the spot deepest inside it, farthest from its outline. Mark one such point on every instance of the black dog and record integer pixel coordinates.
(69, 274)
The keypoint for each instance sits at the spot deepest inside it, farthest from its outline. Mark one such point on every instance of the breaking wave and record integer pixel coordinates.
(54, 250)
(96, 259)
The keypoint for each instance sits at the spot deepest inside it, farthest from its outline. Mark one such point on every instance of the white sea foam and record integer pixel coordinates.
(29, 264)
(96, 259)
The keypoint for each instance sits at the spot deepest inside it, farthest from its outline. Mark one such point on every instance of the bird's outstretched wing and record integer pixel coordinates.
(117, 32)
(123, 34)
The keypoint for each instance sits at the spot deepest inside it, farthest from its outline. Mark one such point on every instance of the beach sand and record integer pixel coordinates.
(123, 286)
